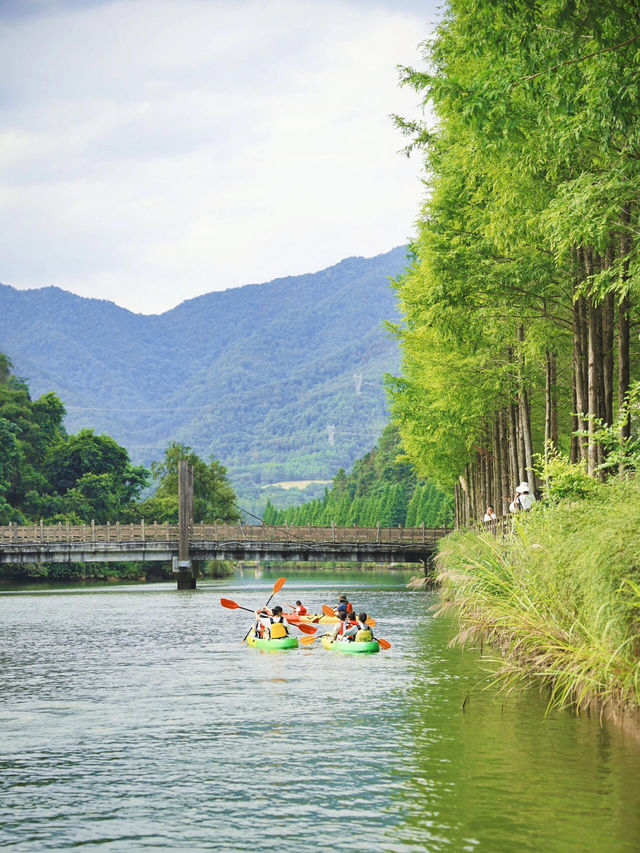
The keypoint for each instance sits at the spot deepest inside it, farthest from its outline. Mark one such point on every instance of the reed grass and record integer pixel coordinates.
(560, 596)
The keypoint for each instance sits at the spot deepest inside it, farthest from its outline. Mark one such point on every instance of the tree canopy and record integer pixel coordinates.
(49, 475)
(523, 288)
(213, 496)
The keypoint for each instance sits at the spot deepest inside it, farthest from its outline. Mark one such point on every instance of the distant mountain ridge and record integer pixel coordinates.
(280, 381)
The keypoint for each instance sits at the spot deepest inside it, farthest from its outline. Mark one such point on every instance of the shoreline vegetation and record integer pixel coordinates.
(111, 572)
(559, 596)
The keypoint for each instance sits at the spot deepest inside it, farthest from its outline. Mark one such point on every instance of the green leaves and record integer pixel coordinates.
(535, 152)
(213, 500)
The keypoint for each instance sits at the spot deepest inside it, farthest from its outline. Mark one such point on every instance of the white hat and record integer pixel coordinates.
(523, 487)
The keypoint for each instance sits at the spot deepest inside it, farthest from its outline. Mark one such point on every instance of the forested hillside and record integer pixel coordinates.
(523, 293)
(380, 489)
(280, 381)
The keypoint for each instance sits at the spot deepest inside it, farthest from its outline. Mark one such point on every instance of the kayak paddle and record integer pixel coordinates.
(276, 588)
(231, 605)
(306, 629)
(306, 641)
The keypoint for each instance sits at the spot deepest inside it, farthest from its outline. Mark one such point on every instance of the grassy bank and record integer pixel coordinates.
(560, 596)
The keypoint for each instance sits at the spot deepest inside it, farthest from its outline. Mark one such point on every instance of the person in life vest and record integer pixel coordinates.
(277, 624)
(351, 623)
(337, 632)
(300, 609)
(360, 632)
(275, 628)
(344, 604)
(260, 626)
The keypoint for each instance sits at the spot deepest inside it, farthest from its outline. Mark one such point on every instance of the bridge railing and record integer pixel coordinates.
(144, 532)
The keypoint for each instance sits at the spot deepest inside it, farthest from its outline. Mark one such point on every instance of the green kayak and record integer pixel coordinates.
(351, 648)
(282, 643)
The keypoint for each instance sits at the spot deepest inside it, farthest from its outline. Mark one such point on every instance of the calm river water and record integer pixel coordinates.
(132, 718)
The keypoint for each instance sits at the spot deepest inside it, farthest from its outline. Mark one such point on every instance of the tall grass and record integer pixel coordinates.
(560, 596)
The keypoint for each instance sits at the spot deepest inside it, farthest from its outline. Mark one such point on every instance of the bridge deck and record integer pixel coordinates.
(159, 542)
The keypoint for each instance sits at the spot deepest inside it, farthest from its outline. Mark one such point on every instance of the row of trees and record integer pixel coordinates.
(521, 300)
(381, 488)
(47, 474)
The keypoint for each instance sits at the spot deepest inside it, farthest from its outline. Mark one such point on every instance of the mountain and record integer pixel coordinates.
(280, 381)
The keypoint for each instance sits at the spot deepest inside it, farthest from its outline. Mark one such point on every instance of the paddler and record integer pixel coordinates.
(276, 628)
(360, 632)
(338, 630)
(300, 609)
(344, 604)
(351, 623)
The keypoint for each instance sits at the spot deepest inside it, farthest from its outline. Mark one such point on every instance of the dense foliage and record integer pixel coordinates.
(381, 488)
(213, 497)
(47, 474)
(524, 285)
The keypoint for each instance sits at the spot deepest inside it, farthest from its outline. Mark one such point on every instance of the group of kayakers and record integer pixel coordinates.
(272, 624)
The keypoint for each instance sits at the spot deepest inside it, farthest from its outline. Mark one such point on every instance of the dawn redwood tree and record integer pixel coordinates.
(518, 305)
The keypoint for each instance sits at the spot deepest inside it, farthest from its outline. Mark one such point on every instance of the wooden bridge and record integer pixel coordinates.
(60, 543)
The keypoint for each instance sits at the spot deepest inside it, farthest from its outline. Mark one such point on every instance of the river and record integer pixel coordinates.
(132, 718)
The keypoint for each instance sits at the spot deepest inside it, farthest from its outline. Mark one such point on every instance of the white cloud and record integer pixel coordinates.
(153, 151)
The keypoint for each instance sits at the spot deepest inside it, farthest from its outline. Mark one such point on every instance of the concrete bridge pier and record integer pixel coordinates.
(183, 566)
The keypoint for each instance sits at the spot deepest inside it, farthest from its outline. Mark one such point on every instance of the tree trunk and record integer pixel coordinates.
(550, 404)
(580, 406)
(525, 419)
(522, 456)
(497, 467)
(575, 443)
(608, 313)
(623, 327)
(592, 456)
(513, 448)
(554, 399)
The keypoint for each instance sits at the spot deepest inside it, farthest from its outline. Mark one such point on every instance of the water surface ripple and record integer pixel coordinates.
(132, 718)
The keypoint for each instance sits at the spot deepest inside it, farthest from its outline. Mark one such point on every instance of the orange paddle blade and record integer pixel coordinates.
(328, 611)
(306, 641)
(371, 622)
(226, 602)
(384, 644)
(307, 629)
(278, 585)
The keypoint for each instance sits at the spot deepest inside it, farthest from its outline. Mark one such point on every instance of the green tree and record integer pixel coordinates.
(213, 496)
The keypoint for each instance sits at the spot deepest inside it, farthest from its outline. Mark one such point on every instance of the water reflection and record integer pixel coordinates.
(502, 776)
(133, 718)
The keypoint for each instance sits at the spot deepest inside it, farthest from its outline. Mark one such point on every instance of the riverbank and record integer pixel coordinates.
(111, 572)
(560, 597)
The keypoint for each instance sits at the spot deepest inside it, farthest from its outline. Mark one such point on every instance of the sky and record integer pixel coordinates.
(155, 150)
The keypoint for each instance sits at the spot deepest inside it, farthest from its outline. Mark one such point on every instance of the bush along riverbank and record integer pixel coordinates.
(39, 572)
(560, 597)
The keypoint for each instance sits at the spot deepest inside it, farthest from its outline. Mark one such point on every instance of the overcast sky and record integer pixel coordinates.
(154, 150)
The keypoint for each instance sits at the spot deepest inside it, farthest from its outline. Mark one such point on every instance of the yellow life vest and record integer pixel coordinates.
(278, 631)
(364, 635)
